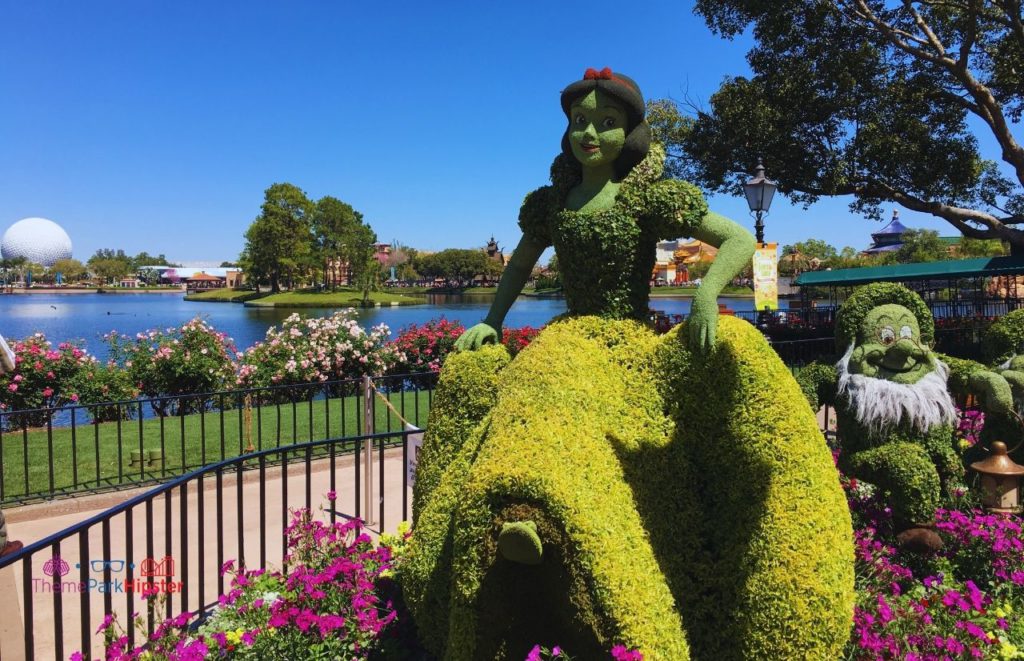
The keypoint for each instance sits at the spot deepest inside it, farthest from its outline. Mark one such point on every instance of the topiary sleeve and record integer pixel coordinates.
(674, 208)
(536, 213)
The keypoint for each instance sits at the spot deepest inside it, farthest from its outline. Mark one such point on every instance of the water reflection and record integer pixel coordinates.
(88, 316)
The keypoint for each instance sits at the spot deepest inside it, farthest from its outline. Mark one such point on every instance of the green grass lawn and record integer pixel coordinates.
(225, 295)
(344, 297)
(199, 438)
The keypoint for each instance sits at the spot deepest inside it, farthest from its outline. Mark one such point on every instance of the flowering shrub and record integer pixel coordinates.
(325, 607)
(315, 350)
(190, 360)
(43, 377)
(98, 382)
(425, 347)
(517, 339)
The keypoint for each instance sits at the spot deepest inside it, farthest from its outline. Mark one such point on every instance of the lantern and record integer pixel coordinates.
(1000, 480)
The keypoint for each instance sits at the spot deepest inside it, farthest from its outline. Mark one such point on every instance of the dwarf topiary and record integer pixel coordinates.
(895, 413)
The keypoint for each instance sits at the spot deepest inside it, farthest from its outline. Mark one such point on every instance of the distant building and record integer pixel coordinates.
(226, 276)
(38, 240)
(673, 260)
(890, 238)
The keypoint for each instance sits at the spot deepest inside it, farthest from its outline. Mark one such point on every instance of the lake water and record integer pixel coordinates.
(88, 316)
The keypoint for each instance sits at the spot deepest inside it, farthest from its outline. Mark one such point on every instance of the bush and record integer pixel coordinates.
(194, 359)
(425, 347)
(517, 339)
(1004, 339)
(718, 526)
(43, 378)
(315, 350)
(97, 382)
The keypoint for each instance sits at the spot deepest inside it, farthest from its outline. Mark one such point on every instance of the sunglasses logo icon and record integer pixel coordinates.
(113, 565)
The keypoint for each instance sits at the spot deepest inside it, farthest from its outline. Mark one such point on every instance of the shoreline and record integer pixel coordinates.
(21, 291)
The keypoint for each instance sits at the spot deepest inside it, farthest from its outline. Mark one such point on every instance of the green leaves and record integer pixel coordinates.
(861, 99)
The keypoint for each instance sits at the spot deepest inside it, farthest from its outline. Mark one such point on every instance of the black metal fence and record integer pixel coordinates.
(173, 539)
(46, 453)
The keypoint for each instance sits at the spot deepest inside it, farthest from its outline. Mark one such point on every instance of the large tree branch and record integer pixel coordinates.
(923, 26)
(988, 108)
(961, 218)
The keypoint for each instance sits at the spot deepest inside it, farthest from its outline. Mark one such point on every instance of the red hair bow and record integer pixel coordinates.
(594, 74)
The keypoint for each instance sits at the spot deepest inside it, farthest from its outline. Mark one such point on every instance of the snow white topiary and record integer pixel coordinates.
(669, 493)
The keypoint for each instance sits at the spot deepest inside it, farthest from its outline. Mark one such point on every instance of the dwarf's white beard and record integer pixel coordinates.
(879, 404)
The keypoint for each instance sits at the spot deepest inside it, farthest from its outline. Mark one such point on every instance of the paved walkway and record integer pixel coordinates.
(196, 561)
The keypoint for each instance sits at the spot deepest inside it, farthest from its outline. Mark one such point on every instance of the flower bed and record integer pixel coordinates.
(315, 350)
(964, 602)
(195, 359)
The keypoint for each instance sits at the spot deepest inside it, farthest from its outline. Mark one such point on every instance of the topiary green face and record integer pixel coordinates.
(889, 346)
(598, 129)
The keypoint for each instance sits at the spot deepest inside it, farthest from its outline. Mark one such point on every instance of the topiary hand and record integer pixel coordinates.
(702, 323)
(477, 336)
(994, 392)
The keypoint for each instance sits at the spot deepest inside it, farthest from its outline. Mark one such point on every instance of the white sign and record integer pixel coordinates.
(413, 454)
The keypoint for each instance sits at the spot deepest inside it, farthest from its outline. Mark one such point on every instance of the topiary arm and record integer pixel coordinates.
(509, 287)
(1016, 381)
(993, 391)
(735, 249)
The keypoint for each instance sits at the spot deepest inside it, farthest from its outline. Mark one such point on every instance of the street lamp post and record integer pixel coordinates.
(759, 192)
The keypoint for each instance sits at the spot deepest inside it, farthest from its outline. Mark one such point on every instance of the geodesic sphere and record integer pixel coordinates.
(38, 240)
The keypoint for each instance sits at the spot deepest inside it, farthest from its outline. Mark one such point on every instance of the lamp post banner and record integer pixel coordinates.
(766, 277)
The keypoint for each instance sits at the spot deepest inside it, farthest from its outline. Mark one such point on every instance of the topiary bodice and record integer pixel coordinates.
(606, 257)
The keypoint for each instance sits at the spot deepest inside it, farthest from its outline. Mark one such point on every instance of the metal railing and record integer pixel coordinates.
(174, 539)
(46, 453)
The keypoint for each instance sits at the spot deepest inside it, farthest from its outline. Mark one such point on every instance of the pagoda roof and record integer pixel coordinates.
(895, 227)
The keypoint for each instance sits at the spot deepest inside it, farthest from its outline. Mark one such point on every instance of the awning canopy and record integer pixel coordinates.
(948, 270)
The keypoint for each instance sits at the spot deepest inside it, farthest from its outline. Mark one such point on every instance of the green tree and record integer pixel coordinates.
(70, 269)
(336, 234)
(980, 248)
(369, 276)
(109, 270)
(921, 246)
(456, 266)
(812, 248)
(278, 243)
(145, 259)
(11, 268)
(874, 100)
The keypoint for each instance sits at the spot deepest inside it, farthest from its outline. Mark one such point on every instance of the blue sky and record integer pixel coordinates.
(156, 126)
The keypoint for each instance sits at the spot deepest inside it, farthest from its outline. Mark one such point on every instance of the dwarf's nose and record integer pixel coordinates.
(901, 353)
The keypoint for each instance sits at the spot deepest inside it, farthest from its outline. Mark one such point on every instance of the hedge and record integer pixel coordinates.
(688, 506)
(1004, 339)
